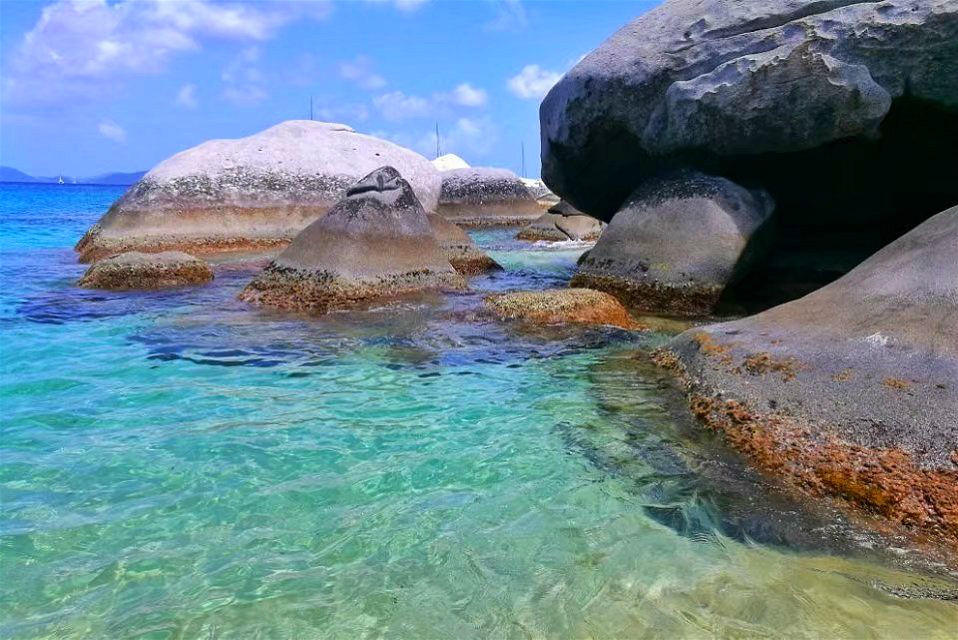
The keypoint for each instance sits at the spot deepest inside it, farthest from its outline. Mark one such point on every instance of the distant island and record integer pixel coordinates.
(9, 174)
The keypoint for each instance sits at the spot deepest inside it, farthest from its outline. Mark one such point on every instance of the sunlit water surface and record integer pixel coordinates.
(179, 465)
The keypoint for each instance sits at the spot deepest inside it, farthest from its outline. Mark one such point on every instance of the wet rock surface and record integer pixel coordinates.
(375, 243)
(459, 249)
(576, 306)
(250, 193)
(484, 196)
(677, 243)
(850, 390)
(135, 270)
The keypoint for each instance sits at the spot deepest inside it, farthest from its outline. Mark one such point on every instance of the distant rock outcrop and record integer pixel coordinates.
(459, 248)
(135, 270)
(677, 243)
(250, 193)
(483, 196)
(374, 243)
(449, 162)
(562, 223)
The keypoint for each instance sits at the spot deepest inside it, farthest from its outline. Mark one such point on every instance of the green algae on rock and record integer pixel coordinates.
(135, 270)
(374, 243)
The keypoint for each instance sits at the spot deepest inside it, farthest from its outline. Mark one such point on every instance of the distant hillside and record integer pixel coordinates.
(114, 178)
(9, 174)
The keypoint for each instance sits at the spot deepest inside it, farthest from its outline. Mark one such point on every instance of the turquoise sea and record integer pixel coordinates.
(180, 465)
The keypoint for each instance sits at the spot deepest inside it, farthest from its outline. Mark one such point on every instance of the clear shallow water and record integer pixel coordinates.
(178, 465)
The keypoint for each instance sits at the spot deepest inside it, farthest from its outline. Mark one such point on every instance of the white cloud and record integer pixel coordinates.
(186, 96)
(112, 131)
(467, 137)
(79, 47)
(403, 5)
(533, 82)
(467, 95)
(396, 105)
(359, 71)
(344, 113)
(510, 16)
(243, 80)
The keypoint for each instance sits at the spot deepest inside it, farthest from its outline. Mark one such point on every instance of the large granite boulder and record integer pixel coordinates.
(250, 193)
(562, 223)
(483, 196)
(735, 88)
(853, 389)
(459, 249)
(135, 270)
(677, 243)
(374, 243)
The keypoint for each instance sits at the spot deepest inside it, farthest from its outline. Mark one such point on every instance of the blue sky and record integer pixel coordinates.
(90, 86)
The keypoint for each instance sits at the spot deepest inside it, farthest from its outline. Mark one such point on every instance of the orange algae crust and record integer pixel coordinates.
(577, 306)
(883, 481)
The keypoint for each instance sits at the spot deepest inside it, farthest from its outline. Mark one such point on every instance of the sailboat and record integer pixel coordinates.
(60, 180)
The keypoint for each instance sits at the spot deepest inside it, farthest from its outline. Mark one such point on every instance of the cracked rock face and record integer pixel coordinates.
(484, 196)
(714, 84)
(250, 193)
(853, 388)
(677, 243)
(376, 242)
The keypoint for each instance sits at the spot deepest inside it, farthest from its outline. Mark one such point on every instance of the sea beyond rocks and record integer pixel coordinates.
(767, 168)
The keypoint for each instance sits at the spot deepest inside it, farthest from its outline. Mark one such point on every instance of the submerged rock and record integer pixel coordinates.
(376, 242)
(483, 196)
(561, 223)
(677, 243)
(135, 270)
(852, 390)
(577, 306)
(459, 248)
(250, 193)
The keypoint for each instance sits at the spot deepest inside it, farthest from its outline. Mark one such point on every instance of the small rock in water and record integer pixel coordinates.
(561, 223)
(578, 306)
(136, 270)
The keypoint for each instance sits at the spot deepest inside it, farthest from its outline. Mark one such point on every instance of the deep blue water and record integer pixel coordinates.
(179, 465)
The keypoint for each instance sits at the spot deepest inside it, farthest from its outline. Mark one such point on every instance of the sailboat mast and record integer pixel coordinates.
(523, 159)
(437, 139)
